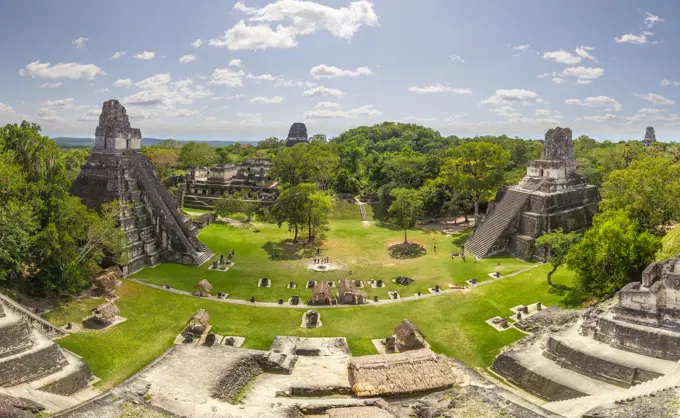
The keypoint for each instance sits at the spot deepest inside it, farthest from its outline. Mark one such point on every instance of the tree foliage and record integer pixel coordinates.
(557, 243)
(194, 154)
(241, 201)
(302, 206)
(406, 208)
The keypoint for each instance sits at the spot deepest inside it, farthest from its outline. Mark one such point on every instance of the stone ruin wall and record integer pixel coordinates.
(558, 145)
(240, 374)
(35, 321)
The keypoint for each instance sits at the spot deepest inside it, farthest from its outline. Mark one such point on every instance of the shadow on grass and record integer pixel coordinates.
(573, 297)
(287, 250)
(407, 251)
(460, 238)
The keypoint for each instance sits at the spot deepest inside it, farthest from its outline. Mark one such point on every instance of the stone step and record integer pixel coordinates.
(73, 378)
(42, 359)
(601, 361)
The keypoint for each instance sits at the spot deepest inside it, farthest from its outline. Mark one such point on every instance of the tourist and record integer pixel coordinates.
(435, 248)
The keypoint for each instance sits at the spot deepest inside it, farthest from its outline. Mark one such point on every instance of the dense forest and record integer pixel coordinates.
(50, 241)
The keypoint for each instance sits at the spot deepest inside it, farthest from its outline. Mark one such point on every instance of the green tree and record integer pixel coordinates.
(319, 207)
(476, 169)
(241, 201)
(291, 207)
(194, 155)
(614, 252)
(557, 243)
(163, 159)
(324, 167)
(293, 165)
(406, 208)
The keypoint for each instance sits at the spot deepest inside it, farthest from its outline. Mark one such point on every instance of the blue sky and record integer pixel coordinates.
(605, 68)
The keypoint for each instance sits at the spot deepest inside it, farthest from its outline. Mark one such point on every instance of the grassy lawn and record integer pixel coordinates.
(263, 251)
(453, 323)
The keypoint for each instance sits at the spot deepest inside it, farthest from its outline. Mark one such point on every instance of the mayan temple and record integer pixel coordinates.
(297, 135)
(551, 196)
(650, 137)
(117, 171)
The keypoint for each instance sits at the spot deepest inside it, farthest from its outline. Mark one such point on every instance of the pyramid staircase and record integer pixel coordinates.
(496, 223)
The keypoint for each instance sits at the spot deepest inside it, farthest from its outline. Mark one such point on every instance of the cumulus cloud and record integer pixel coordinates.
(117, 55)
(569, 58)
(655, 98)
(187, 58)
(582, 51)
(455, 58)
(601, 118)
(321, 91)
(123, 82)
(233, 97)
(558, 80)
(267, 100)
(328, 105)
(325, 71)
(197, 43)
(72, 70)
(438, 88)
(596, 101)
(80, 42)
(235, 63)
(583, 73)
(6, 108)
(505, 111)
(104, 90)
(367, 110)
(512, 96)
(649, 111)
(158, 90)
(292, 83)
(652, 20)
(227, 77)
(146, 55)
(51, 85)
(263, 77)
(521, 48)
(670, 83)
(279, 24)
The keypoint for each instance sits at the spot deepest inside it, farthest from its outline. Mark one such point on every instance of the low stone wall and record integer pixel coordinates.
(31, 366)
(71, 383)
(36, 322)
(646, 341)
(508, 367)
(231, 385)
(15, 338)
(597, 368)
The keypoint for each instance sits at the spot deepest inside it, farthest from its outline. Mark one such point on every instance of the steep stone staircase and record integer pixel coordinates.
(496, 224)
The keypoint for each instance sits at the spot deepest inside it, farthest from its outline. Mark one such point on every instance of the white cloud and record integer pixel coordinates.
(263, 77)
(544, 75)
(328, 105)
(6, 108)
(49, 106)
(649, 111)
(584, 81)
(146, 55)
(602, 118)
(582, 51)
(51, 85)
(506, 111)
(631, 38)
(117, 55)
(267, 100)
(123, 82)
(325, 71)
(235, 63)
(367, 110)
(652, 20)
(80, 42)
(295, 18)
(182, 113)
(105, 90)
(139, 113)
(90, 115)
(234, 97)
(247, 115)
(584, 73)
(227, 77)
(72, 70)
(521, 48)
(438, 88)
(655, 98)
(292, 83)
(512, 96)
(187, 58)
(413, 119)
(157, 90)
(455, 58)
(558, 80)
(321, 91)
(597, 101)
(670, 83)
(197, 43)
(562, 56)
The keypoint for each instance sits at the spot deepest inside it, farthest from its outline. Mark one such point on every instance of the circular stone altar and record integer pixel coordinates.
(324, 267)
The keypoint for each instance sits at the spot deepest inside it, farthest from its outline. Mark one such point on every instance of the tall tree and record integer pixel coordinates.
(557, 243)
(291, 208)
(476, 169)
(319, 207)
(194, 155)
(293, 165)
(406, 209)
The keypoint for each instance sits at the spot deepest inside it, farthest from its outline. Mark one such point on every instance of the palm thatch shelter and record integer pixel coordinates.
(204, 287)
(409, 336)
(106, 283)
(198, 323)
(321, 294)
(349, 295)
(105, 313)
(399, 374)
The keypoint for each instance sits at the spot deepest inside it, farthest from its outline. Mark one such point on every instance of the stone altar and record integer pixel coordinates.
(117, 171)
(551, 196)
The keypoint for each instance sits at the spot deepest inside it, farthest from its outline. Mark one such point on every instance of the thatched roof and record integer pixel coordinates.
(406, 328)
(322, 290)
(107, 281)
(205, 285)
(106, 312)
(359, 412)
(201, 317)
(399, 374)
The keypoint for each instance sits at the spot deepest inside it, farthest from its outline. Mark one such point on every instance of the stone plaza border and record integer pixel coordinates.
(305, 306)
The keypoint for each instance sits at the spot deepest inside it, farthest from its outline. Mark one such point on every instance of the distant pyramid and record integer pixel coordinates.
(650, 136)
(297, 135)
(118, 171)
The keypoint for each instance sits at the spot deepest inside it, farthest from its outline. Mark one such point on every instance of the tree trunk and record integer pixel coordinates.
(476, 209)
(550, 273)
(405, 240)
(296, 234)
